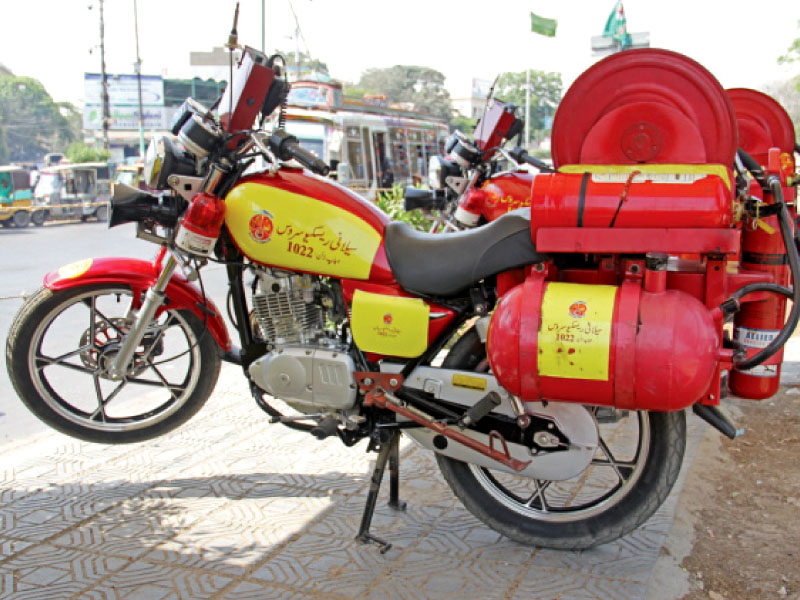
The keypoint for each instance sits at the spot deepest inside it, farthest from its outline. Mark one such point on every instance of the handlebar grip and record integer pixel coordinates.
(286, 146)
(414, 198)
(521, 156)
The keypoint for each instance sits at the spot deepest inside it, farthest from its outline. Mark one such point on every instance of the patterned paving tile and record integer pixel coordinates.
(422, 575)
(49, 572)
(259, 590)
(231, 507)
(149, 581)
(324, 565)
(9, 547)
(545, 584)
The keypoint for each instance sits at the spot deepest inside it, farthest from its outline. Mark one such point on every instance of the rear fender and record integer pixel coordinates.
(140, 275)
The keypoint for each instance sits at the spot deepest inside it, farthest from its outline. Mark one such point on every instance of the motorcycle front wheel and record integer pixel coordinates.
(637, 462)
(61, 344)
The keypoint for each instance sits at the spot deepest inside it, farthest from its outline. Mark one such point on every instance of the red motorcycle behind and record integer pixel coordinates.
(578, 331)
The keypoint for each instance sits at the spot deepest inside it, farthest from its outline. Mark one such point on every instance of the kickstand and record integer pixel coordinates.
(389, 451)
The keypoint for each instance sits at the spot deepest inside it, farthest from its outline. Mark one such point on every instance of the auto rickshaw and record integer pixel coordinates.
(76, 191)
(132, 175)
(16, 199)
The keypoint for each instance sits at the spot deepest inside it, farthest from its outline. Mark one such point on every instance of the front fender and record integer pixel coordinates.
(140, 275)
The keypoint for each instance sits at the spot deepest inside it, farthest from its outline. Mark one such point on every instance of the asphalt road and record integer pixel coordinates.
(26, 255)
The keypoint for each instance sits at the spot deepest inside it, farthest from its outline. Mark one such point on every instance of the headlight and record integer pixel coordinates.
(153, 161)
(164, 158)
(436, 173)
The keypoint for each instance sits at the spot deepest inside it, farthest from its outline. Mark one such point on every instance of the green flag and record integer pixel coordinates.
(543, 26)
(617, 26)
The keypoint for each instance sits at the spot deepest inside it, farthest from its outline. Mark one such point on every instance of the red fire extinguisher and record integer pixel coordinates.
(757, 323)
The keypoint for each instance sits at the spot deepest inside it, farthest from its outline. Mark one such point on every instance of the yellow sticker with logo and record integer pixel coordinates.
(575, 337)
(293, 231)
(389, 325)
(76, 269)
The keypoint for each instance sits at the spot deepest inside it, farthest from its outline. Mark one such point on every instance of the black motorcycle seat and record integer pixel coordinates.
(444, 264)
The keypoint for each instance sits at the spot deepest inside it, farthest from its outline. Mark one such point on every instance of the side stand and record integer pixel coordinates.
(389, 450)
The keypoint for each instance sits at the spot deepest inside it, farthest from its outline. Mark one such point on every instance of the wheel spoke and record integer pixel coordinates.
(59, 360)
(93, 311)
(160, 384)
(612, 461)
(101, 403)
(44, 361)
(163, 381)
(541, 486)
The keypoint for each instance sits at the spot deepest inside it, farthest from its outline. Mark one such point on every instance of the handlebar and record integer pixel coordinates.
(521, 156)
(286, 147)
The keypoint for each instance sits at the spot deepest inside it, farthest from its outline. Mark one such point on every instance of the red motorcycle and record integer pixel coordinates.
(576, 332)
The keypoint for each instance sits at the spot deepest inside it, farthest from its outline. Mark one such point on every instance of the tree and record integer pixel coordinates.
(308, 65)
(545, 94)
(78, 152)
(421, 86)
(31, 124)
(464, 124)
(792, 55)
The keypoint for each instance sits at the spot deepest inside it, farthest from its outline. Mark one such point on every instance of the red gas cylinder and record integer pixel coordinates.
(636, 199)
(596, 344)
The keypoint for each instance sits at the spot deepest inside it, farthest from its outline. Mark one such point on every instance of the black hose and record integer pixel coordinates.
(762, 287)
(774, 184)
(752, 165)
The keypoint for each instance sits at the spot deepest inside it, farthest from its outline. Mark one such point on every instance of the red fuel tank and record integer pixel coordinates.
(641, 198)
(607, 345)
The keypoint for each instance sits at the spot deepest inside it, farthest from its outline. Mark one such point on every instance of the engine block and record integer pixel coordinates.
(286, 310)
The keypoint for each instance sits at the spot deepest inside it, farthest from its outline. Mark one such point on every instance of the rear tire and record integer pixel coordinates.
(61, 343)
(531, 518)
(39, 217)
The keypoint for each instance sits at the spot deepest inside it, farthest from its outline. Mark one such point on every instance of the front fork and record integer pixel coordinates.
(154, 298)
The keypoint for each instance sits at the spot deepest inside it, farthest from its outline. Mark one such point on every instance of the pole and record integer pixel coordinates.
(139, 80)
(106, 111)
(527, 106)
(297, 49)
(263, 27)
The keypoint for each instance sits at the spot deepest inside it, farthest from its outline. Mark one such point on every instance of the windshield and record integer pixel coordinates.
(48, 183)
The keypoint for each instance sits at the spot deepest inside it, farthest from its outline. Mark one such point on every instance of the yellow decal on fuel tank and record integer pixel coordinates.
(76, 269)
(575, 337)
(289, 230)
(389, 325)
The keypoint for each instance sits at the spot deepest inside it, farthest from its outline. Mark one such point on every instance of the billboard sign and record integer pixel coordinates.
(123, 90)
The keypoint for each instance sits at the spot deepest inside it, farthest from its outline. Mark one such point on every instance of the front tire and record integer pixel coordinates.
(102, 213)
(21, 218)
(61, 343)
(611, 498)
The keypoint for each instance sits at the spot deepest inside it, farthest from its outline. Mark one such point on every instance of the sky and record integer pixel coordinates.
(57, 41)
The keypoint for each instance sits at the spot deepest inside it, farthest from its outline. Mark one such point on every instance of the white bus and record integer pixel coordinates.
(367, 146)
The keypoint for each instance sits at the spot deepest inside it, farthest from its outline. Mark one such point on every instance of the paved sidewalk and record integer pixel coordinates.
(229, 506)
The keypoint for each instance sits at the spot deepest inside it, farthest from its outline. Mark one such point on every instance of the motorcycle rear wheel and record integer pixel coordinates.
(61, 343)
(623, 486)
